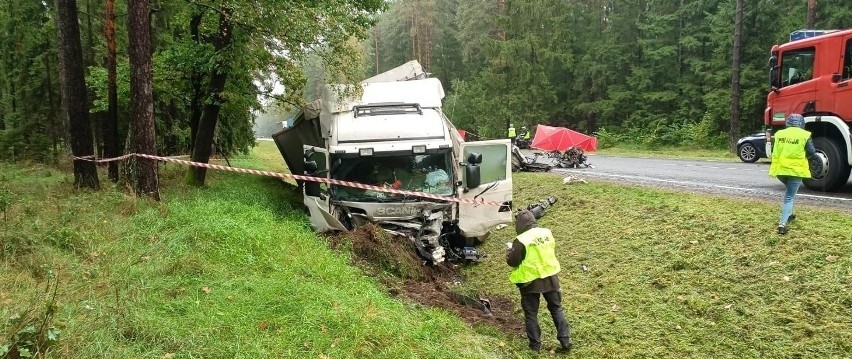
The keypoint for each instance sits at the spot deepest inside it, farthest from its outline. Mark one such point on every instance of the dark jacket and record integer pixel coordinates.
(524, 221)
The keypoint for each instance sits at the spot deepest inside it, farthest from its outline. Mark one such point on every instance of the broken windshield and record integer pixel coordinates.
(413, 172)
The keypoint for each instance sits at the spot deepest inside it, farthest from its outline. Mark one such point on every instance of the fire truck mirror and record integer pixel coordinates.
(773, 78)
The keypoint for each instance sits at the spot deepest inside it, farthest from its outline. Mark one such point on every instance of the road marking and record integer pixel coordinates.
(696, 184)
(823, 197)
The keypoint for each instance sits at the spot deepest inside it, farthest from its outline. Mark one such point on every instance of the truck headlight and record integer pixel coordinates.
(365, 151)
(419, 149)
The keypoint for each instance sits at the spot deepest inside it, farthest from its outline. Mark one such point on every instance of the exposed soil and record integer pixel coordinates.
(394, 261)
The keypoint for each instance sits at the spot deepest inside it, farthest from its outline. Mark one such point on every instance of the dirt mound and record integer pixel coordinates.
(395, 261)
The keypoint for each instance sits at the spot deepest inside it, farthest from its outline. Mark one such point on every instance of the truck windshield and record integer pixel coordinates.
(428, 173)
(797, 66)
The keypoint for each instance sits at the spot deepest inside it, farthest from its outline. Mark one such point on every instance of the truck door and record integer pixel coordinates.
(315, 194)
(495, 184)
(843, 88)
(797, 93)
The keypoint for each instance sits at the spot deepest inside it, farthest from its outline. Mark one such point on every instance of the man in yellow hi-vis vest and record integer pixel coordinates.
(790, 153)
(532, 255)
(512, 134)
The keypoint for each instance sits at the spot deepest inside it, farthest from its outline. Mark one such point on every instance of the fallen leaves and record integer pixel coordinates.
(786, 278)
(206, 290)
(831, 258)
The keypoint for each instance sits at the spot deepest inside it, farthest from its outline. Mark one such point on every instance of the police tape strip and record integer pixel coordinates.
(292, 176)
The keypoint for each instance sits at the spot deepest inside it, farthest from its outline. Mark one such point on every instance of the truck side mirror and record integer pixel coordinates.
(474, 158)
(472, 176)
(312, 188)
(311, 167)
(773, 78)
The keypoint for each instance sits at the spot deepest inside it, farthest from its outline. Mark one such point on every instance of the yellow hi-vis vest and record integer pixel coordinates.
(540, 260)
(788, 154)
(512, 133)
(527, 135)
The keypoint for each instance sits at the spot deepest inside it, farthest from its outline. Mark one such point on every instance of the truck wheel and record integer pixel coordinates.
(834, 177)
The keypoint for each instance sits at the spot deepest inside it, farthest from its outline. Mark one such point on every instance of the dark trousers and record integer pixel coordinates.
(530, 302)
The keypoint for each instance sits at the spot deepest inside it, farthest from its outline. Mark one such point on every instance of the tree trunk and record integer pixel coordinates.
(207, 124)
(2, 114)
(51, 109)
(110, 122)
(196, 81)
(734, 132)
(144, 177)
(811, 14)
(376, 39)
(74, 92)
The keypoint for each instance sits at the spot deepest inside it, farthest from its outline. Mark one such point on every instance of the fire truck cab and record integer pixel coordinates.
(813, 76)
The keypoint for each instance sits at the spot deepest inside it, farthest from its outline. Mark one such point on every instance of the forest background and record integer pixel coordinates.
(650, 73)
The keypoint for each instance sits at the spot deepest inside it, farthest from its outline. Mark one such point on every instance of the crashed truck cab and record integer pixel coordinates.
(394, 137)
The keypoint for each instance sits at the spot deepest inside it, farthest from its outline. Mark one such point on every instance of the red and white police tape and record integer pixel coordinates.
(292, 176)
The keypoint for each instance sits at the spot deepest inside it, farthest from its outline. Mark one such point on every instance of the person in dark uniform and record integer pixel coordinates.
(532, 256)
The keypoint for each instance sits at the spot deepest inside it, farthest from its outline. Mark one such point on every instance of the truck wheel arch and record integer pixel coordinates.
(832, 127)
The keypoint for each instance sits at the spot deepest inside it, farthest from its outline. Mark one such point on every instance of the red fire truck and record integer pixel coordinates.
(813, 76)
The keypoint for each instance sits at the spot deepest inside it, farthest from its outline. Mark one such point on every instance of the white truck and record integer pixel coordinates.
(394, 135)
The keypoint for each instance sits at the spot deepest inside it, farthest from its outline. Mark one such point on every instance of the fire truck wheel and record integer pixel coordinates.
(838, 168)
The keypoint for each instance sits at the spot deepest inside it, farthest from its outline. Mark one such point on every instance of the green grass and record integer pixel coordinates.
(680, 275)
(233, 270)
(720, 154)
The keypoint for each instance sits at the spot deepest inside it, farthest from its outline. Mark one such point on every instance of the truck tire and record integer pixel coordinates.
(838, 167)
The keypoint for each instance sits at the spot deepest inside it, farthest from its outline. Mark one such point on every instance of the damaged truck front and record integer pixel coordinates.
(394, 135)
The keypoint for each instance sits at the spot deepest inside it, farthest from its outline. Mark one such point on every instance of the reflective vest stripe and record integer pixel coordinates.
(540, 260)
(788, 155)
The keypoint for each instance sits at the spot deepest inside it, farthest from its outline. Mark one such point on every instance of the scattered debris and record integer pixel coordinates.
(527, 164)
(538, 208)
(389, 258)
(573, 157)
(573, 179)
(501, 226)
(584, 267)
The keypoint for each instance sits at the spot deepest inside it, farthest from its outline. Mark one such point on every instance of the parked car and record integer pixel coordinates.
(752, 147)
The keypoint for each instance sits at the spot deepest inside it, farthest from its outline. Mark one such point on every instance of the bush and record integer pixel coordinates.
(607, 139)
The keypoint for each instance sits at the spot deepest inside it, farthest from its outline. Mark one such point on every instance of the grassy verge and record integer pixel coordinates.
(232, 270)
(679, 275)
(671, 152)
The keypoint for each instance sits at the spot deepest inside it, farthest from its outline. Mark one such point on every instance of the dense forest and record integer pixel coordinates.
(102, 77)
(646, 72)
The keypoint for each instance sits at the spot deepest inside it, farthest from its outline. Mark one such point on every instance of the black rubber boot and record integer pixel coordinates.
(565, 346)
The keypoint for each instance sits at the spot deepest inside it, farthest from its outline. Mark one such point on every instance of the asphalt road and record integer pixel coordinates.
(738, 179)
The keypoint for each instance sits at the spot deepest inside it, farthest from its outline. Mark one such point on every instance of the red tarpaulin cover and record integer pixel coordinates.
(463, 134)
(560, 138)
